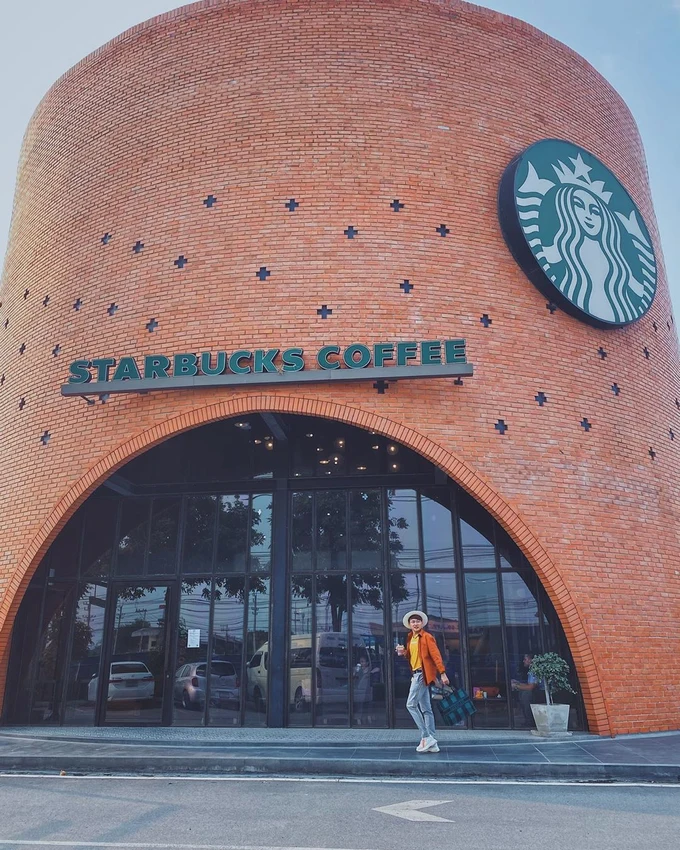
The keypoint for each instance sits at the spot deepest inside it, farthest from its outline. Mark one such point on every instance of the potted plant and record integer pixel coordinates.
(551, 719)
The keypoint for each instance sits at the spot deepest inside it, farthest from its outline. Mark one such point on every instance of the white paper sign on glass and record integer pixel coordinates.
(193, 638)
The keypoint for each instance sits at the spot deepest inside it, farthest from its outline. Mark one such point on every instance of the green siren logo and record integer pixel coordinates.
(577, 234)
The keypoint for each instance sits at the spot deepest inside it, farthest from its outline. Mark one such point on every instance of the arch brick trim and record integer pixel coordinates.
(458, 470)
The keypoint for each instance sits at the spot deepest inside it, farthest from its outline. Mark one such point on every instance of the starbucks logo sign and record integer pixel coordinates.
(577, 234)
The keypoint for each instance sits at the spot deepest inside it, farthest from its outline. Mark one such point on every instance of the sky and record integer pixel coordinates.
(635, 44)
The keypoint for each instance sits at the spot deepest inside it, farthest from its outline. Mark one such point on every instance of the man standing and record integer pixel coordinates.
(425, 659)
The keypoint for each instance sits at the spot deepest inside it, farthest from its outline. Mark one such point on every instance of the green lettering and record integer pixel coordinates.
(264, 360)
(406, 351)
(220, 363)
(454, 350)
(102, 365)
(156, 366)
(185, 365)
(235, 362)
(80, 372)
(292, 360)
(383, 351)
(322, 357)
(430, 353)
(127, 370)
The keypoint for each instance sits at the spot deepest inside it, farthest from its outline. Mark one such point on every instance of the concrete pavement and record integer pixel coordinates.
(343, 752)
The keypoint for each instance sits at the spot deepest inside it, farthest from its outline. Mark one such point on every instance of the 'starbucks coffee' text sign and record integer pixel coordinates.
(356, 362)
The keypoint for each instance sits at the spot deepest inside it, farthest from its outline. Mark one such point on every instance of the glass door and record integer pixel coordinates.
(135, 673)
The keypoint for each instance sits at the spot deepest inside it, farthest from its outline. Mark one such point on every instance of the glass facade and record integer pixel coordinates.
(256, 572)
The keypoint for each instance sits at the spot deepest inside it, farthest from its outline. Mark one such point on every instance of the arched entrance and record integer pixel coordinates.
(255, 571)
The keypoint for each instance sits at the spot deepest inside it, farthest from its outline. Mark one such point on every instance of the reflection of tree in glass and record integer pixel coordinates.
(366, 535)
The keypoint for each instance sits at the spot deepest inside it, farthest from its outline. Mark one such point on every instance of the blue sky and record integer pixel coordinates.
(635, 44)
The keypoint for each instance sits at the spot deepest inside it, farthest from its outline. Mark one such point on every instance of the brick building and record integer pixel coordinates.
(295, 174)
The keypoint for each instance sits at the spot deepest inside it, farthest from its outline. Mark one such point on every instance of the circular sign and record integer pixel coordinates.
(577, 234)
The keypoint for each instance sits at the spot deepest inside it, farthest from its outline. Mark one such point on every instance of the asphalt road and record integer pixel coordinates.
(178, 814)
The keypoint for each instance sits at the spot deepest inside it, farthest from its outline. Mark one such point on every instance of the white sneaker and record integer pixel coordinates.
(421, 746)
(431, 745)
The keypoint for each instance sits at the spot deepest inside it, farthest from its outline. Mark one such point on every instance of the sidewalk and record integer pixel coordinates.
(339, 752)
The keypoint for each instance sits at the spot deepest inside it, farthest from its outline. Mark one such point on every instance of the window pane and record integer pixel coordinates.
(402, 508)
(261, 533)
(476, 530)
(139, 635)
(100, 531)
(301, 533)
(134, 527)
(437, 529)
(523, 636)
(163, 539)
(365, 529)
(49, 664)
(88, 632)
(368, 650)
(300, 652)
(331, 530)
(444, 623)
(232, 534)
(485, 642)
(406, 591)
(229, 597)
(65, 551)
(332, 655)
(189, 689)
(199, 530)
(257, 644)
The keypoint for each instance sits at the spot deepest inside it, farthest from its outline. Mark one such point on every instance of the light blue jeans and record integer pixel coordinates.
(420, 707)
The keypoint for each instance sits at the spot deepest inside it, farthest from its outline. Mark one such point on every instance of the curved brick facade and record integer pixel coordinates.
(345, 107)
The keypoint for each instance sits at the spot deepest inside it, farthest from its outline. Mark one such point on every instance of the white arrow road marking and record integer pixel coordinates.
(410, 810)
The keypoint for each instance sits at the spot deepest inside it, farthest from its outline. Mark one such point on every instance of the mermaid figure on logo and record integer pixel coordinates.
(588, 259)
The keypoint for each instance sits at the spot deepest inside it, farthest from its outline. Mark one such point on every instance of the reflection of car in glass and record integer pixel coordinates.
(128, 681)
(190, 684)
(332, 674)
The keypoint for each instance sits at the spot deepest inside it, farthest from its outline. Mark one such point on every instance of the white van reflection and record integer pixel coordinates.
(331, 669)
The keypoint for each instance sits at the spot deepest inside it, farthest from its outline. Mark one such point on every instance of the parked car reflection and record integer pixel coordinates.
(190, 685)
(128, 681)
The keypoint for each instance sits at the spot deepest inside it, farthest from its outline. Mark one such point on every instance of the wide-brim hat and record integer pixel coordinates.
(407, 617)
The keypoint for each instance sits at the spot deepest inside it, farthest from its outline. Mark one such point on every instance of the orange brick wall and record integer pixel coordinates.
(344, 107)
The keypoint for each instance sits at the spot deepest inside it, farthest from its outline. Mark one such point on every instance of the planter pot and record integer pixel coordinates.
(551, 721)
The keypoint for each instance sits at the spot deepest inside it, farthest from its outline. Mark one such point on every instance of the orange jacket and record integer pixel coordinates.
(429, 654)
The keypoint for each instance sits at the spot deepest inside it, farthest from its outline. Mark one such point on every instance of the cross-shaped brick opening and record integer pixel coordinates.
(540, 398)
(291, 205)
(151, 325)
(324, 311)
(181, 261)
(351, 232)
(210, 201)
(443, 230)
(263, 273)
(397, 205)
(407, 286)
(585, 424)
(501, 426)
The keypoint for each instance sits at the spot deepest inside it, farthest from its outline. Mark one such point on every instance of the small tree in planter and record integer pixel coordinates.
(551, 719)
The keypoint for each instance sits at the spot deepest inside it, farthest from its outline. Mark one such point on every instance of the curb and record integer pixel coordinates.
(291, 766)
